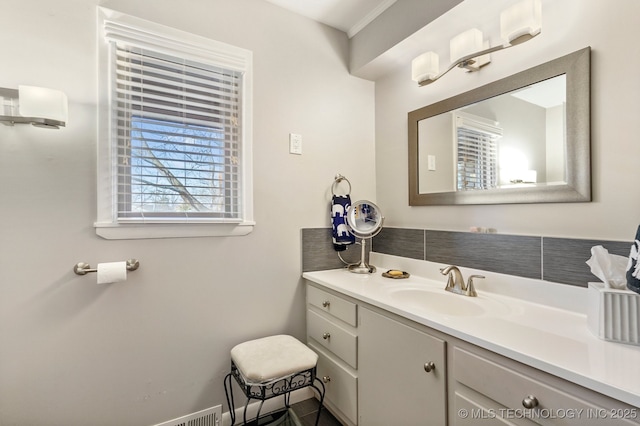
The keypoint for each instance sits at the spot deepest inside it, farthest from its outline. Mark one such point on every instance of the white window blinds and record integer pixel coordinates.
(477, 157)
(178, 125)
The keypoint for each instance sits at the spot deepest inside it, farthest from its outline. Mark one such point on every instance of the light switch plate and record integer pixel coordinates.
(431, 162)
(295, 144)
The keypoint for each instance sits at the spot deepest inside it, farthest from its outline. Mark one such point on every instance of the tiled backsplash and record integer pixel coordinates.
(318, 253)
(560, 260)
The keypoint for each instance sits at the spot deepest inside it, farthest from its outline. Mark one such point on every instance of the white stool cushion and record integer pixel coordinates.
(269, 358)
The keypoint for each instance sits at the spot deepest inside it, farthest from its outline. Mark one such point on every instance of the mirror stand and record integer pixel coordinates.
(363, 267)
(364, 220)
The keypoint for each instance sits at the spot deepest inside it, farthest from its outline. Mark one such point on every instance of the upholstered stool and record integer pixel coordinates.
(271, 366)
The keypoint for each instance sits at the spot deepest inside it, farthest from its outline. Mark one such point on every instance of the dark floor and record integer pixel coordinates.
(304, 414)
(308, 409)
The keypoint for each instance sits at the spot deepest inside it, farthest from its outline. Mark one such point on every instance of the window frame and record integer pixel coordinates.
(178, 43)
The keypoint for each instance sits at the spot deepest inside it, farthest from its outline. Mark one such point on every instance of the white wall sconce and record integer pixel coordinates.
(518, 23)
(37, 106)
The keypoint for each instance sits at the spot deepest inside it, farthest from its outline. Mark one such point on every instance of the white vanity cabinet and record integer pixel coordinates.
(488, 389)
(332, 334)
(383, 366)
(402, 373)
(376, 370)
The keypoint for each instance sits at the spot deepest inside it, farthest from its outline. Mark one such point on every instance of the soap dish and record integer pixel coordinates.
(395, 274)
(614, 314)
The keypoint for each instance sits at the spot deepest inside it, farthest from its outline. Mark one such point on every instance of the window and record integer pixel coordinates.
(477, 152)
(175, 135)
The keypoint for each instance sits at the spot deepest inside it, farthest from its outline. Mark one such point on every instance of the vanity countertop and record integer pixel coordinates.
(550, 337)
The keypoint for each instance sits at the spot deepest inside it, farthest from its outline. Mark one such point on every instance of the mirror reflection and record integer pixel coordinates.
(516, 139)
(364, 219)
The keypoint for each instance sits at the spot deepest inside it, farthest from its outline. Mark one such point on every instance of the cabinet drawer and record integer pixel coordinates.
(333, 305)
(509, 388)
(340, 385)
(475, 414)
(333, 337)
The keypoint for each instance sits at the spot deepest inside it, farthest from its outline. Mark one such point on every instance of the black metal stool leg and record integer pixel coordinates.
(244, 413)
(229, 394)
(321, 394)
(287, 395)
(259, 409)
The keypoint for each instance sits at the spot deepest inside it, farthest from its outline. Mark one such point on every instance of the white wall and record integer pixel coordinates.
(438, 140)
(555, 140)
(156, 347)
(610, 28)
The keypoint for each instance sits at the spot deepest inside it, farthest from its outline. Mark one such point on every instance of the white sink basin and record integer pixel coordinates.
(437, 300)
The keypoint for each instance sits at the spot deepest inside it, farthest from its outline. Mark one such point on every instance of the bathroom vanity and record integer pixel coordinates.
(404, 351)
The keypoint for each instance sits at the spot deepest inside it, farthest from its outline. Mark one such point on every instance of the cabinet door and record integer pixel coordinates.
(394, 387)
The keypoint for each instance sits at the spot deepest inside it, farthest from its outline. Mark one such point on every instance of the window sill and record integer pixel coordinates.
(111, 231)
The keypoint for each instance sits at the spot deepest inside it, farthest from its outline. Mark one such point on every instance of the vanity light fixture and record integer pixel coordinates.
(518, 23)
(38, 106)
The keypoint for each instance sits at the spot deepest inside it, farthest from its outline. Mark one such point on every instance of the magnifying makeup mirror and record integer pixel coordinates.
(364, 220)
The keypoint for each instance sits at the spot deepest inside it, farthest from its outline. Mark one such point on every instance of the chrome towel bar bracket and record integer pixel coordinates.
(339, 178)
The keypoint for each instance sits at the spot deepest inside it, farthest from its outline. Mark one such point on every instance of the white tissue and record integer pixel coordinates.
(610, 268)
(112, 272)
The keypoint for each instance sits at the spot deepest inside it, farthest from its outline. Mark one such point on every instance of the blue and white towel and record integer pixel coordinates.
(633, 267)
(340, 232)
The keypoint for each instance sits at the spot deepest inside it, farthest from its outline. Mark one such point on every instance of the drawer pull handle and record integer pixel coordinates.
(326, 304)
(530, 401)
(326, 335)
(429, 367)
(326, 379)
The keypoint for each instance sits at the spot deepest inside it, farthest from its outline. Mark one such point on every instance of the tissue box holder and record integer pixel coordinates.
(613, 314)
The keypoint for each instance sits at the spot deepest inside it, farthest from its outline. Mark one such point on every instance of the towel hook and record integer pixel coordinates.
(83, 268)
(339, 178)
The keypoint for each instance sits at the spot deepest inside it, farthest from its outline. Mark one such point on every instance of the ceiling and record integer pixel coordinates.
(349, 16)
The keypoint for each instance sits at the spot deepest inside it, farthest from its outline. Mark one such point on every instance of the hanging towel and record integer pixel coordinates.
(633, 267)
(341, 235)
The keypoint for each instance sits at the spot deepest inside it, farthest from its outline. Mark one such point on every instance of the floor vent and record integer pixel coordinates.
(207, 417)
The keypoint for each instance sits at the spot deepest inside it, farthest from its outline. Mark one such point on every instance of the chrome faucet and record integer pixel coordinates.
(455, 281)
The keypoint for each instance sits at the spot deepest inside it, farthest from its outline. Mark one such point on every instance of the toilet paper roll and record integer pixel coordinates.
(112, 272)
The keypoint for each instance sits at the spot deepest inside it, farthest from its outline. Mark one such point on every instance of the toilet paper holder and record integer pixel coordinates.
(83, 268)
